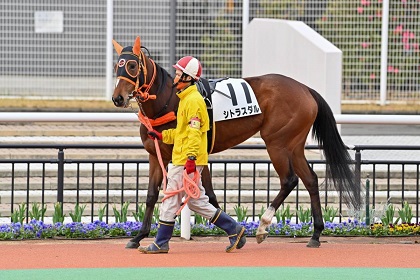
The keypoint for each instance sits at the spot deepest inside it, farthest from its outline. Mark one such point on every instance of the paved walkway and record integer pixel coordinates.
(205, 258)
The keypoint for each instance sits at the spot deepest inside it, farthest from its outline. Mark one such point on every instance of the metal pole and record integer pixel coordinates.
(109, 35)
(384, 51)
(60, 177)
(245, 15)
(357, 169)
(367, 201)
(245, 22)
(172, 35)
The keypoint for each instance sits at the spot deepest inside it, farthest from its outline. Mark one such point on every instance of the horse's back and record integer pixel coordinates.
(288, 110)
(285, 95)
(279, 86)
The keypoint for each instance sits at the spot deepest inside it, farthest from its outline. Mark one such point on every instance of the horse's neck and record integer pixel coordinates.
(166, 99)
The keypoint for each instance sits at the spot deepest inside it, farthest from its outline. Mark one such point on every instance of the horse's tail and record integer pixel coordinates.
(339, 168)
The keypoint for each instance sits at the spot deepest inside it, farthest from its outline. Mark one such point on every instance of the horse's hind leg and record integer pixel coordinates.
(288, 181)
(155, 180)
(310, 180)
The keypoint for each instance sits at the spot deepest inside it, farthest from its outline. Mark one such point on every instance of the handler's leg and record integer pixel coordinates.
(168, 209)
(235, 231)
(161, 243)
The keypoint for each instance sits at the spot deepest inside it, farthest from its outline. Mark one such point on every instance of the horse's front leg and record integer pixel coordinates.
(265, 221)
(208, 186)
(155, 180)
(287, 185)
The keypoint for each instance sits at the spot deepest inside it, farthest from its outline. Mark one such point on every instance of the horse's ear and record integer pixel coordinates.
(136, 46)
(118, 48)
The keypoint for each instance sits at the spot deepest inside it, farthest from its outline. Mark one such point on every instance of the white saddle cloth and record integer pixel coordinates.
(234, 98)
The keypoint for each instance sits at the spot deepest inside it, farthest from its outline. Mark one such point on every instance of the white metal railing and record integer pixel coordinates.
(131, 117)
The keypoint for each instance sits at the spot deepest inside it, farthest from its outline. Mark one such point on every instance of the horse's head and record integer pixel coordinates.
(132, 74)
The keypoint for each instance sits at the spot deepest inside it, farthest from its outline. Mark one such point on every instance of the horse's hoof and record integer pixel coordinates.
(261, 237)
(313, 243)
(132, 245)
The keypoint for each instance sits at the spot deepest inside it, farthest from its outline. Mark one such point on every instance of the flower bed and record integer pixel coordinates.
(40, 230)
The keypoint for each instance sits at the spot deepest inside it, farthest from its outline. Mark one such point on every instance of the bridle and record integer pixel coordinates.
(141, 87)
(141, 92)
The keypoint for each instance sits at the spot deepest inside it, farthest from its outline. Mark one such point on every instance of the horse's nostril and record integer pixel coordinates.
(118, 100)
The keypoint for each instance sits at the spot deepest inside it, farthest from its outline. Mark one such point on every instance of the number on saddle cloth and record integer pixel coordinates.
(206, 88)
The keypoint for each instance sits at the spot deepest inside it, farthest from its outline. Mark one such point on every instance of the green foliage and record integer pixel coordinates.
(19, 215)
(329, 213)
(241, 213)
(78, 212)
(199, 220)
(284, 214)
(406, 214)
(101, 212)
(139, 215)
(262, 210)
(304, 215)
(121, 217)
(388, 217)
(58, 216)
(155, 218)
(37, 212)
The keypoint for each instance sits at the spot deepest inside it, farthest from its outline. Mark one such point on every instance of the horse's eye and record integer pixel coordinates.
(131, 68)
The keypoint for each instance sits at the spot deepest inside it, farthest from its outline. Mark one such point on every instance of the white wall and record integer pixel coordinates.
(293, 49)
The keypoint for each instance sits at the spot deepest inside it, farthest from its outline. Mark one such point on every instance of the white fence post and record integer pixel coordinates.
(245, 15)
(384, 51)
(109, 35)
(185, 223)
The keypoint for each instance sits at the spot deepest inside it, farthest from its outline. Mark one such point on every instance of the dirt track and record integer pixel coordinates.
(208, 251)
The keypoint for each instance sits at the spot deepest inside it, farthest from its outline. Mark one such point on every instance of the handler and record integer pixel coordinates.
(190, 153)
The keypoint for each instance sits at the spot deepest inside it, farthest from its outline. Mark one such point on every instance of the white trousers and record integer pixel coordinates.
(171, 205)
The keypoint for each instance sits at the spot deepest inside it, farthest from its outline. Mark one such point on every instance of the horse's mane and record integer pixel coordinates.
(161, 72)
(164, 75)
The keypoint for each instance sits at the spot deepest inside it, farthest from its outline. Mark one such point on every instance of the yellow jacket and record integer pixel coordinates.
(190, 135)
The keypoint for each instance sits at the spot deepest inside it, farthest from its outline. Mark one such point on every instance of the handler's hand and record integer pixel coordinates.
(190, 166)
(153, 134)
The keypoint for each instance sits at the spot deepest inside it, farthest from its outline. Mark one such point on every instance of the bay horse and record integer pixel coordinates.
(288, 111)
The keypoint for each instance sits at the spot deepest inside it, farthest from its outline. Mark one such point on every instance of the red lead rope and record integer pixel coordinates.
(190, 185)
